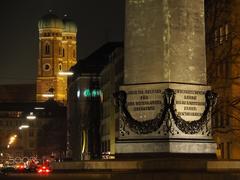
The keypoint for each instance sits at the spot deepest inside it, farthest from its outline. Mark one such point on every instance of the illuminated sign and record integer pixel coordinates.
(91, 93)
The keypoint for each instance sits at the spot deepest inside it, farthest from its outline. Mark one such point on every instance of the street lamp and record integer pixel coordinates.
(31, 116)
(12, 139)
(65, 73)
(48, 95)
(24, 126)
(39, 108)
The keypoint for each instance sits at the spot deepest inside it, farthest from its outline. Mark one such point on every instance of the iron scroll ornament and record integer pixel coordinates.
(193, 127)
(168, 111)
(136, 126)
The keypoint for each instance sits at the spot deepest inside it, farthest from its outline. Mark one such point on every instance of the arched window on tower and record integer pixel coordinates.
(60, 67)
(63, 52)
(47, 48)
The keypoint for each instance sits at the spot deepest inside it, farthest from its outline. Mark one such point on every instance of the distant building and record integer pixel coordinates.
(57, 53)
(85, 104)
(223, 59)
(45, 136)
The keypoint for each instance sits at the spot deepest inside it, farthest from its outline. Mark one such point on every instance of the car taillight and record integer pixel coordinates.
(43, 170)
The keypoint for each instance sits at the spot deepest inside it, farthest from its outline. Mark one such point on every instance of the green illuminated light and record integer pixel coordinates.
(93, 93)
(87, 93)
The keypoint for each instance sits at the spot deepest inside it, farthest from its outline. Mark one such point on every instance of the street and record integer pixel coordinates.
(127, 175)
(33, 176)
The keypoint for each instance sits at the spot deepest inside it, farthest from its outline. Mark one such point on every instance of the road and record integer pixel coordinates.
(65, 176)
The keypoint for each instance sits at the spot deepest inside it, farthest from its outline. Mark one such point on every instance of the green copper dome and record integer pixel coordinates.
(69, 25)
(50, 21)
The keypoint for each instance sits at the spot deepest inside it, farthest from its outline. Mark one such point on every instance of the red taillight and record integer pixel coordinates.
(43, 170)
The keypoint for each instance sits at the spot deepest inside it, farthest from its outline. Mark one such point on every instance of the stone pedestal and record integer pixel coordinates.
(165, 105)
(166, 118)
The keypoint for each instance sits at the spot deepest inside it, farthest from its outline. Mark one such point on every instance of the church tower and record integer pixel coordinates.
(57, 53)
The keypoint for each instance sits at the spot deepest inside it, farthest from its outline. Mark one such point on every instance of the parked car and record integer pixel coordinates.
(42, 169)
(21, 167)
(7, 169)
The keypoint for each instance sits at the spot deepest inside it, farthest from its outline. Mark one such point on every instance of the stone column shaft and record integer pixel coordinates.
(165, 42)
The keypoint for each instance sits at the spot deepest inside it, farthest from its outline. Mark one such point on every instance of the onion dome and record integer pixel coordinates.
(50, 20)
(69, 25)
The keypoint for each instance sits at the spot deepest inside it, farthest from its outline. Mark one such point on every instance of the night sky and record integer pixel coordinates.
(98, 21)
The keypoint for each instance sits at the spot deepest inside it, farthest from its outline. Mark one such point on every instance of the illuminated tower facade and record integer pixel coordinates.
(57, 53)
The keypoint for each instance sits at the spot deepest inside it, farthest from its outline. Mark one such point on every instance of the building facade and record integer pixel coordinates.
(44, 136)
(57, 53)
(111, 79)
(223, 45)
(85, 104)
(84, 114)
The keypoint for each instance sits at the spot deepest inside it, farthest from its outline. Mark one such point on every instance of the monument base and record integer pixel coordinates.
(165, 118)
(151, 147)
(152, 169)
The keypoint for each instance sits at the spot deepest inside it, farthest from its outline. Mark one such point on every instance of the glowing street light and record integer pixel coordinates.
(65, 73)
(12, 139)
(23, 127)
(48, 95)
(39, 108)
(31, 116)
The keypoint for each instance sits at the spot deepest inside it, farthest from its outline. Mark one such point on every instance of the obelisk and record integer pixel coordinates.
(165, 103)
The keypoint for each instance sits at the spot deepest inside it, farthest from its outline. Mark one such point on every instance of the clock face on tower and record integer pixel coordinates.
(46, 67)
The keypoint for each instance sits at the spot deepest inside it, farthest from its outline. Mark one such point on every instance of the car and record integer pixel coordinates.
(21, 167)
(7, 169)
(32, 166)
(42, 169)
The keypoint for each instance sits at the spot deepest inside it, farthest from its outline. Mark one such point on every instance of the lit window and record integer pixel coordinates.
(87, 93)
(221, 35)
(226, 32)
